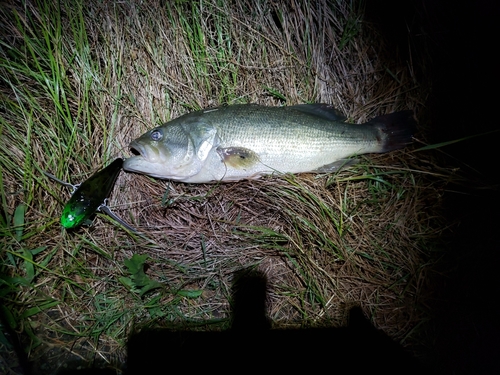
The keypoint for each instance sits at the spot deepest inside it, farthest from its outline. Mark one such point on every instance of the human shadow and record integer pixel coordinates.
(250, 344)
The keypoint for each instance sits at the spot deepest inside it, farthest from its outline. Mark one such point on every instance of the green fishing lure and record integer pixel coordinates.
(90, 195)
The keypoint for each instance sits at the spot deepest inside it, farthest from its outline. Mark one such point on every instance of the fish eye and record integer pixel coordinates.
(156, 135)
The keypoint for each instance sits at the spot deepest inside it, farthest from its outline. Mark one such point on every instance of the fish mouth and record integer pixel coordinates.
(144, 159)
(137, 150)
(139, 158)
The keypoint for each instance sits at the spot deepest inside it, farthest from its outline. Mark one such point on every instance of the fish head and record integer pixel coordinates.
(174, 151)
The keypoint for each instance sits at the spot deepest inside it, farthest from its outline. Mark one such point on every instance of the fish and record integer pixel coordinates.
(90, 195)
(247, 141)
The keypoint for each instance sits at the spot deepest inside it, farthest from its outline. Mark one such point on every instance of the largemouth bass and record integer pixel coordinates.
(235, 142)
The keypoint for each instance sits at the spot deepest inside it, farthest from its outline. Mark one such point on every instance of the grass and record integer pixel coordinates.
(81, 79)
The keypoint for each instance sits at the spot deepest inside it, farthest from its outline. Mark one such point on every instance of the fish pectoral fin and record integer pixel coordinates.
(336, 166)
(238, 157)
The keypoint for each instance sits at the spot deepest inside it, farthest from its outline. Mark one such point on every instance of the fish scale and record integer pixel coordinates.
(284, 145)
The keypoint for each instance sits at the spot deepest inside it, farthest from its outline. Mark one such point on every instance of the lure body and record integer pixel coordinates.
(90, 195)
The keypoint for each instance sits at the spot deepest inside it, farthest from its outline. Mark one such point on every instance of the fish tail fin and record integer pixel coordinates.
(395, 130)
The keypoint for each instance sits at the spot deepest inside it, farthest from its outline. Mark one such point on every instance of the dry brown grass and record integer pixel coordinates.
(363, 238)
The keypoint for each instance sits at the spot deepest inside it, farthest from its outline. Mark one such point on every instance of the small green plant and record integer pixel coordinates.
(138, 282)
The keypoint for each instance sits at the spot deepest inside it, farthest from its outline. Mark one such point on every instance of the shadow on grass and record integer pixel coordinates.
(250, 345)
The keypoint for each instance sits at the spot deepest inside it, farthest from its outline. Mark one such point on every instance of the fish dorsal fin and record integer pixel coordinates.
(322, 110)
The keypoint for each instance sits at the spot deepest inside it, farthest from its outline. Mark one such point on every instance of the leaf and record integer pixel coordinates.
(190, 293)
(139, 281)
(9, 284)
(442, 144)
(47, 258)
(9, 317)
(4, 341)
(38, 250)
(153, 284)
(37, 309)
(136, 263)
(154, 307)
(28, 265)
(164, 198)
(275, 93)
(127, 282)
(19, 220)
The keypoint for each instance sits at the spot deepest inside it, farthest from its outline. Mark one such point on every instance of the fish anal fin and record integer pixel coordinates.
(336, 166)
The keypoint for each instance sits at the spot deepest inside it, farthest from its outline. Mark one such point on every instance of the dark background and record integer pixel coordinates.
(461, 39)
